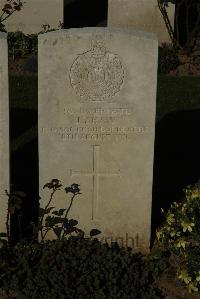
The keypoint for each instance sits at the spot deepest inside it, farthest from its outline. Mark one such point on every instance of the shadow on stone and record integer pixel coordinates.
(24, 170)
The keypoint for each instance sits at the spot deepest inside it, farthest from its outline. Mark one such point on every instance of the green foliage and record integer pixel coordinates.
(58, 222)
(72, 266)
(167, 59)
(158, 261)
(76, 268)
(180, 234)
(20, 44)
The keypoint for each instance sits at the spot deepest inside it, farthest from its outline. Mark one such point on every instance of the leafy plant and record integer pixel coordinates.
(167, 59)
(158, 261)
(76, 268)
(9, 8)
(20, 44)
(70, 266)
(47, 28)
(180, 234)
(58, 222)
(67, 226)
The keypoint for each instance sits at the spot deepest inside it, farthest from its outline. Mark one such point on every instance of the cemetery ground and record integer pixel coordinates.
(176, 161)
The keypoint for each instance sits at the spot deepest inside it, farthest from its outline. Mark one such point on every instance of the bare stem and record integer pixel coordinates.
(47, 230)
(7, 219)
(8, 15)
(40, 222)
(66, 214)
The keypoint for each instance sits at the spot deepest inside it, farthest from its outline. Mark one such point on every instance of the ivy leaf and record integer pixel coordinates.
(94, 232)
(72, 222)
(42, 211)
(59, 213)
(6, 11)
(7, 6)
(80, 232)
(70, 230)
(49, 221)
(57, 231)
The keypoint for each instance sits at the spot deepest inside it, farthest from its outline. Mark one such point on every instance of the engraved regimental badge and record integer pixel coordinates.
(97, 74)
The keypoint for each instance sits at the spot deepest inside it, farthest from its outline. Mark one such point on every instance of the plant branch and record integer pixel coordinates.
(66, 214)
(8, 15)
(7, 219)
(42, 218)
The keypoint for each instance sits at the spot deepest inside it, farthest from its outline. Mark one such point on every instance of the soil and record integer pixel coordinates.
(3, 295)
(172, 287)
(190, 65)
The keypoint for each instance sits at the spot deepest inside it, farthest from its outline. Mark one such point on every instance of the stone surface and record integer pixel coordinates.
(97, 102)
(140, 15)
(4, 130)
(34, 14)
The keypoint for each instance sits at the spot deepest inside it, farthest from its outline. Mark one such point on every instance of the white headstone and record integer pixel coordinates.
(140, 15)
(97, 103)
(34, 14)
(4, 130)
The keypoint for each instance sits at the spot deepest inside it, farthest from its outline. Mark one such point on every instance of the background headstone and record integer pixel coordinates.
(87, 13)
(140, 15)
(4, 130)
(34, 14)
(97, 102)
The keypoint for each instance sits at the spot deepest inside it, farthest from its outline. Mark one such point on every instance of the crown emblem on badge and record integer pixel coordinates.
(97, 74)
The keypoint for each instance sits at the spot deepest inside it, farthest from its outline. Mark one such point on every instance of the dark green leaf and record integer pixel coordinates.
(94, 232)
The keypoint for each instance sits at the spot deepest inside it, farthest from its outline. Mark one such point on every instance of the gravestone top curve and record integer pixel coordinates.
(92, 30)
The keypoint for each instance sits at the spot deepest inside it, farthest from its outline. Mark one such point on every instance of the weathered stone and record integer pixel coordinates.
(34, 14)
(97, 102)
(4, 130)
(140, 15)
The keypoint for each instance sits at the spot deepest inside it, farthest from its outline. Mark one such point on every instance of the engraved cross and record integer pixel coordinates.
(95, 174)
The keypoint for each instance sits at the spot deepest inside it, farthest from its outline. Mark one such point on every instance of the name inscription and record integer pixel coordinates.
(97, 124)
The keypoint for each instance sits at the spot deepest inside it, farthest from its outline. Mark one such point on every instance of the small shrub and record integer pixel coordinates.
(180, 234)
(77, 268)
(71, 266)
(167, 59)
(20, 44)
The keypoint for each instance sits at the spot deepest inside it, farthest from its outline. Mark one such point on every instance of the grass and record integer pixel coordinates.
(177, 94)
(173, 93)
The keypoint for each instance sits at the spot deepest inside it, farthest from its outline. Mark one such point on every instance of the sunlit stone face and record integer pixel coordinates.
(97, 101)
